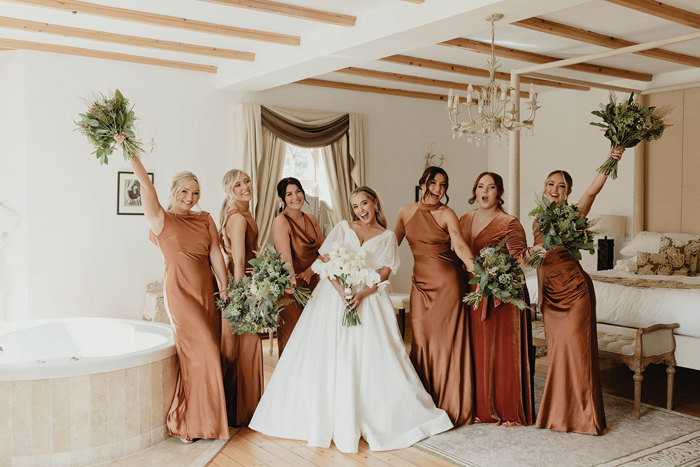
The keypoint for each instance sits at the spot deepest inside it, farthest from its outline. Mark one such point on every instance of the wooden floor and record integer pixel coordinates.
(249, 448)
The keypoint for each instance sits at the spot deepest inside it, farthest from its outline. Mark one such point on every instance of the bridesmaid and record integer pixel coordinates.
(500, 336)
(297, 236)
(190, 249)
(440, 350)
(572, 398)
(241, 355)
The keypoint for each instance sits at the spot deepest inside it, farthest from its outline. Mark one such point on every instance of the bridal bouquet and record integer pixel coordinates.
(499, 276)
(561, 224)
(255, 301)
(109, 123)
(626, 124)
(351, 270)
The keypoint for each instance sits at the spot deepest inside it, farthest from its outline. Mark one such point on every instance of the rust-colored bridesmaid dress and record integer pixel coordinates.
(440, 350)
(241, 356)
(572, 398)
(501, 337)
(304, 242)
(198, 409)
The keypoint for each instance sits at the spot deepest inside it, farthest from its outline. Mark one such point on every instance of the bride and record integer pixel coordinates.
(339, 383)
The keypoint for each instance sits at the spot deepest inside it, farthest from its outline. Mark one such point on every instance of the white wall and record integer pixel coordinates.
(563, 139)
(84, 260)
(14, 293)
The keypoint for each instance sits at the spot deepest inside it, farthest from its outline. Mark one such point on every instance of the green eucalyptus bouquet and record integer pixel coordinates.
(255, 302)
(561, 225)
(626, 124)
(499, 275)
(108, 123)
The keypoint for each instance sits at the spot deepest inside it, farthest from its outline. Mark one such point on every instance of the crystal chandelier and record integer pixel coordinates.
(495, 106)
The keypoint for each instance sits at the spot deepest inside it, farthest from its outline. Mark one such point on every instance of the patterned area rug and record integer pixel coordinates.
(659, 438)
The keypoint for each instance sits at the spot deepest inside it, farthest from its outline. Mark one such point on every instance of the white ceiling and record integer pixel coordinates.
(383, 27)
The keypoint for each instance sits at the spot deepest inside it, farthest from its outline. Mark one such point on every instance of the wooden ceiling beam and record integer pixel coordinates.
(294, 11)
(658, 9)
(471, 71)
(507, 52)
(123, 14)
(373, 89)
(136, 41)
(590, 37)
(62, 49)
(365, 73)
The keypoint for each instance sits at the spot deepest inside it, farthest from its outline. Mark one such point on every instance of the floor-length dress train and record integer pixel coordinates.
(440, 351)
(198, 409)
(241, 356)
(501, 336)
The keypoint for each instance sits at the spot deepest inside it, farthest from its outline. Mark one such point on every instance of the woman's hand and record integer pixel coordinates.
(345, 296)
(224, 295)
(293, 285)
(538, 249)
(305, 276)
(325, 258)
(615, 153)
(359, 296)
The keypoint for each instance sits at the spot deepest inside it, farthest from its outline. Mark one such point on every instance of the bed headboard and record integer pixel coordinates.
(667, 171)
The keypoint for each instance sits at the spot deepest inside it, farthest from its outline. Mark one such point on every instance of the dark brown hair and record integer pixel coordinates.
(429, 175)
(497, 180)
(282, 189)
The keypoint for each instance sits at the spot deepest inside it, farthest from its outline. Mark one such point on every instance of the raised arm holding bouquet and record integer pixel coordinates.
(626, 125)
(572, 399)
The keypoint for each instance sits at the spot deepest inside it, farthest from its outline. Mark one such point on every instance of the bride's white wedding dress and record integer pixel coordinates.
(339, 383)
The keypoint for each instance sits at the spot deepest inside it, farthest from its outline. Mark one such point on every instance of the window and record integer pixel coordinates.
(307, 165)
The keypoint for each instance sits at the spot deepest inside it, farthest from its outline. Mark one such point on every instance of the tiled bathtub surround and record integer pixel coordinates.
(84, 420)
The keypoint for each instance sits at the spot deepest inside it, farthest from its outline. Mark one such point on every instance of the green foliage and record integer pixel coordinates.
(255, 301)
(107, 119)
(626, 124)
(561, 225)
(499, 275)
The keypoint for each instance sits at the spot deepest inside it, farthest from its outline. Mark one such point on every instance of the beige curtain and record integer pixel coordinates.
(260, 134)
(338, 165)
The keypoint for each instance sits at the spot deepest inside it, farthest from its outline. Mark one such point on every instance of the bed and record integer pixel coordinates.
(633, 300)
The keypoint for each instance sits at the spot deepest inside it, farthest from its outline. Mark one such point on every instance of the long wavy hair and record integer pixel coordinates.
(429, 175)
(227, 183)
(371, 194)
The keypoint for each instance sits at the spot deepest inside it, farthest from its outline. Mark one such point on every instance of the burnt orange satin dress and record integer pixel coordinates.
(501, 337)
(304, 242)
(241, 356)
(572, 398)
(440, 349)
(198, 409)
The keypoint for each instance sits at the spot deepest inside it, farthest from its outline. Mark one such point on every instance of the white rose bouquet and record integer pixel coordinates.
(351, 270)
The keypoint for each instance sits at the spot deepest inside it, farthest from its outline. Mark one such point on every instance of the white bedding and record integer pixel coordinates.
(641, 307)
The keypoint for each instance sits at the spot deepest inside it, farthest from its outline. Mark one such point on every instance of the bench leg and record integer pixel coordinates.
(638, 377)
(670, 371)
(402, 322)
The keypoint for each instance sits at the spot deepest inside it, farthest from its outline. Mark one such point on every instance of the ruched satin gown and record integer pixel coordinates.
(440, 351)
(572, 398)
(198, 409)
(304, 242)
(501, 336)
(241, 356)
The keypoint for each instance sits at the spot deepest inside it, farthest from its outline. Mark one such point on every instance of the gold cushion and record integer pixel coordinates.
(675, 258)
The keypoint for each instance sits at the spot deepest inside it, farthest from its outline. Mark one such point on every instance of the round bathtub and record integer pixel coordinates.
(57, 348)
(79, 391)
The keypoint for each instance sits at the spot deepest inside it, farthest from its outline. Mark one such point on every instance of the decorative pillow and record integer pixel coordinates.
(643, 241)
(675, 258)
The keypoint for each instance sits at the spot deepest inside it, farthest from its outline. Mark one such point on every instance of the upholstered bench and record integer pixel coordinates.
(637, 348)
(401, 303)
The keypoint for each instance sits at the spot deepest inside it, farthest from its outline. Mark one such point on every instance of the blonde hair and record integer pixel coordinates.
(378, 212)
(568, 180)
(179, 181)
(227, 184)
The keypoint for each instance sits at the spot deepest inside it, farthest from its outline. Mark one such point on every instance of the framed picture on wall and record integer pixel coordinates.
(129, 194)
